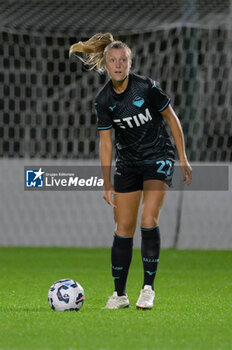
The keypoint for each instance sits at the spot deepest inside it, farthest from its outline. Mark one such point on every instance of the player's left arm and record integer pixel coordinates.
(177, 133)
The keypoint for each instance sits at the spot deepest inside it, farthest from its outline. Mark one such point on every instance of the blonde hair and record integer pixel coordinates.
(95, 50)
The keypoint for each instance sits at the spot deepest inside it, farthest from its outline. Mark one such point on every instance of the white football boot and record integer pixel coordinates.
(117, 302)
(146, 298)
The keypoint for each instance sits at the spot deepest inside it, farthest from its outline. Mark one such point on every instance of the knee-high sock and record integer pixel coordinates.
(150, 251)
(121, 255)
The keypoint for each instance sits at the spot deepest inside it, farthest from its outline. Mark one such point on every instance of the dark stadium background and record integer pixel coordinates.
(47, 115)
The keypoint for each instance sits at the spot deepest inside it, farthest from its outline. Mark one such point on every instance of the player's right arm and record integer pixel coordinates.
(106, 150)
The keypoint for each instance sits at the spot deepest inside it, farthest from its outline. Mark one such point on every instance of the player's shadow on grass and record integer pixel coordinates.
(24, 309)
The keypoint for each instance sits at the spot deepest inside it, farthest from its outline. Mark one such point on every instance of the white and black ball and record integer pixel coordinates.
(66, 295)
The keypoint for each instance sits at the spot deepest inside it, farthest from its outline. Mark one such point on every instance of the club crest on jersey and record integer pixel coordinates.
(136, 120)
(138, 101)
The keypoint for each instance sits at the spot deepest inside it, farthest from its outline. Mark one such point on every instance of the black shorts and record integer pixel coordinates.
(130, 179)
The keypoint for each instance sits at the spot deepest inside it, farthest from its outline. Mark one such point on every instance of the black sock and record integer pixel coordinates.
(121, 255)
(150, 250)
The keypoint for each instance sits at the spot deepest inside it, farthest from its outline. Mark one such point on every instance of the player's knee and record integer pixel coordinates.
(125, 228)
(148, 221)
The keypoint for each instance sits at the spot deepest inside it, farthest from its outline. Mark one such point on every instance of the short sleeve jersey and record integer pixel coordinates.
(135, 114)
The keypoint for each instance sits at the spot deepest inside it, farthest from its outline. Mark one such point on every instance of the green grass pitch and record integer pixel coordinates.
(193, 307)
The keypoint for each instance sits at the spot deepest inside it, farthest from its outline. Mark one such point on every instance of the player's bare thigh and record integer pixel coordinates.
(154, 195)
(126, 212)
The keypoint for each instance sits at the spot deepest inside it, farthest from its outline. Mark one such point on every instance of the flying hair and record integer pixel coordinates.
(95, 50)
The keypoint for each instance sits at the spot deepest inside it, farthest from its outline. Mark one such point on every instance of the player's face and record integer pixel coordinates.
(118, 63)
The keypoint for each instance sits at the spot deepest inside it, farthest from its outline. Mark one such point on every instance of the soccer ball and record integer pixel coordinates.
(66, 295)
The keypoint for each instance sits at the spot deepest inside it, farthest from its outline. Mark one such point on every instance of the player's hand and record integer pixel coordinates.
(187, 171)
(107, 195)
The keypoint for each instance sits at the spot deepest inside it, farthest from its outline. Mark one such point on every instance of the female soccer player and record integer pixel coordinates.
(135, 106)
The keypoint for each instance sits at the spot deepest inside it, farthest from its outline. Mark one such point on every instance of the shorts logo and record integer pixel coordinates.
(138, 101)
(34, 178)
(112, 108)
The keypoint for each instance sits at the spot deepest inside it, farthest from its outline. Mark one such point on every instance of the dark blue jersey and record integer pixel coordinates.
(135, 114)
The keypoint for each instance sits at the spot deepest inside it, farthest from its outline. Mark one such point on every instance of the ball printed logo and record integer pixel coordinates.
(34, 178)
